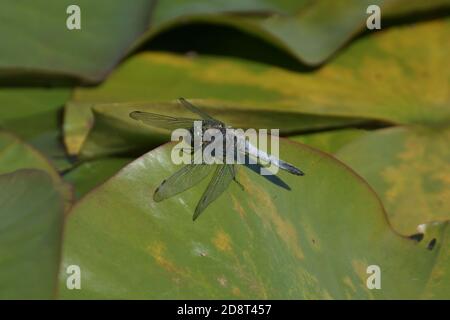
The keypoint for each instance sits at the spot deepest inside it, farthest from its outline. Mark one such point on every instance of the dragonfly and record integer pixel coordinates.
(193, 173)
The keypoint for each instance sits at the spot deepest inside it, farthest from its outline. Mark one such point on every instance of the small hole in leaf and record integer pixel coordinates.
(418, 237)
(431, 244)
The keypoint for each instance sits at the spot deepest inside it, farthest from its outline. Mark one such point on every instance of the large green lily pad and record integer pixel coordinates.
(413, 90)
(36, 40)
(314, 241)
(349, 89)
(33, 200)
(311, 31)
(166, 11)
(31, 217)
(329, 141)
(90, 174)
(409, 170)
(35, 114)
(15, 155)
(131, 136)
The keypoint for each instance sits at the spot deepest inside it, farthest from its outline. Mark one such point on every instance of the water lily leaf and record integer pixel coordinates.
(169, 10)
(15, 155)
(351, 88)
(260, 242)
(329, 141)
(31, 217)
(132, 137)
(78, 121)
(409, 169)
(438, 284)
(34, 114)
(310, 31)
(38, 47)
(411, 90)
(33, 200)
(90, 174)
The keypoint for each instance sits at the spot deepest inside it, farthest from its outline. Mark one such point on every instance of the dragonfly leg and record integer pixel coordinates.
(189, 150)
(239, 184)
(234, 171)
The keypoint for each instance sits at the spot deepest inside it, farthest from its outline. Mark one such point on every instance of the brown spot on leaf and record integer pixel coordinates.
(237, 206)
(236, 291)
(261, 202)
(349, 283)
(222, 241)
(222, 281)
(157, 250)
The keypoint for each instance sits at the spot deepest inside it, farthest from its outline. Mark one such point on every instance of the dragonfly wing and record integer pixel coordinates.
(220, 181)
(196, 110)
(162, 121)
(183, 179)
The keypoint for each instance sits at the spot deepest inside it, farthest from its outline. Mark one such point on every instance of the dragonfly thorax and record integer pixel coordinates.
(214, 134)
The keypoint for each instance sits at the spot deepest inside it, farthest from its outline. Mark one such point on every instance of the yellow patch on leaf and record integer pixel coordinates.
(222, 241)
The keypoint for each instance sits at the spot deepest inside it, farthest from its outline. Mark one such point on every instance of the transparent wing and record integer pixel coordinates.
(220, 181)
(183, 179)
(161, 121)
(196, 110)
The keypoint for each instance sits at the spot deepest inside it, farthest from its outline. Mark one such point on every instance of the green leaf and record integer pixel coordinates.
(314, 241)
(329, 141)
(170, 10)
(90, 174)
(438, 286)
(38, 47)
(311, 31)
(132, 137)
(349, 90)
(409, 170)
(31, 217)
(15, 155)
(33, 199)
(34, 114)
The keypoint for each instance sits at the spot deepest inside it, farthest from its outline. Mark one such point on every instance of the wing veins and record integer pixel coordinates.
(215, 188)
(162, 121)
(196, 110)
(181, 180)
